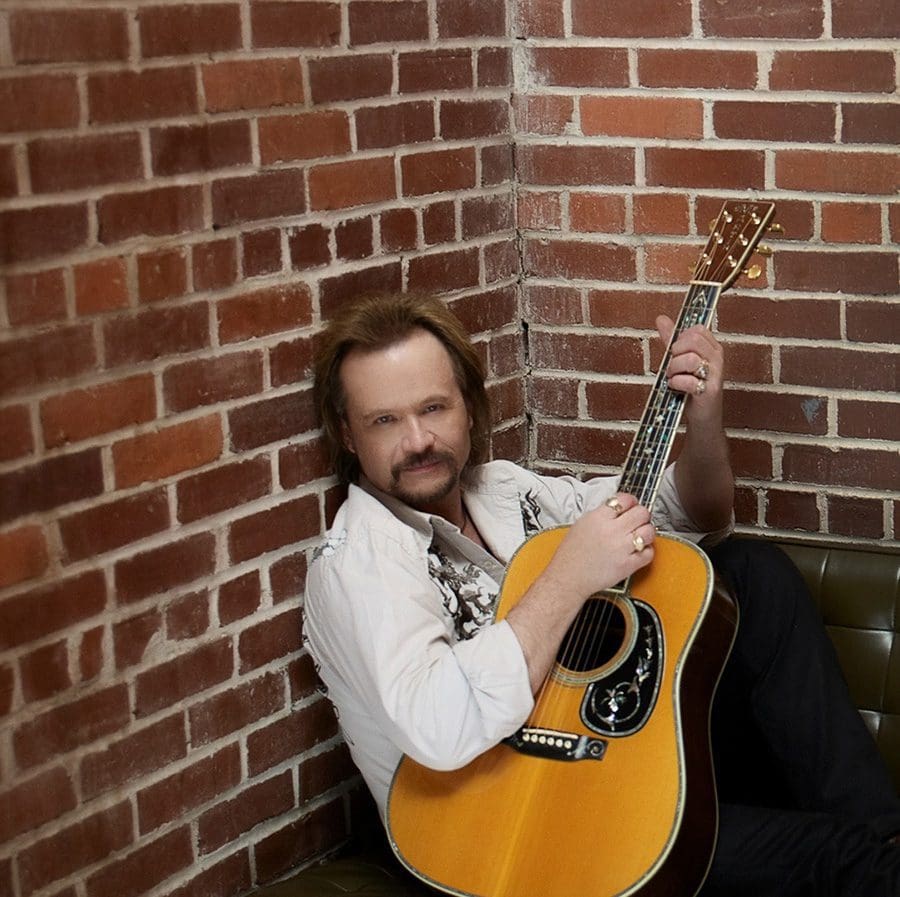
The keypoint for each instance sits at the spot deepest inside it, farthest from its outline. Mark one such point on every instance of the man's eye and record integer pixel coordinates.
(384, 419)
(430, 408)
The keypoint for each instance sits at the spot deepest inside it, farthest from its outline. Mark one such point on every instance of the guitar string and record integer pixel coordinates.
(665, 409)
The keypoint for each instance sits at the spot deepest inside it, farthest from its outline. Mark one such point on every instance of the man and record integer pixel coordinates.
(400, 599)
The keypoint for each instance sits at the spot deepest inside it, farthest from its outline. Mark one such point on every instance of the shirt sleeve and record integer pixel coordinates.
(375, 624)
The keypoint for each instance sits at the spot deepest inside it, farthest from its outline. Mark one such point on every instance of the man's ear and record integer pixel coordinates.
(346, 437)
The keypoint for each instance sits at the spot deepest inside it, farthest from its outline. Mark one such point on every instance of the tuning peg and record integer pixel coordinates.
(775, 229)
(753, 272)
(764, 250)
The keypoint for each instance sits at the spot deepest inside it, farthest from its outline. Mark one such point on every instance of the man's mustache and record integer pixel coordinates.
(422, 459)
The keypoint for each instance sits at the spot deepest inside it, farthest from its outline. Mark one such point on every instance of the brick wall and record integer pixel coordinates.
(187, 190)
(634, 120)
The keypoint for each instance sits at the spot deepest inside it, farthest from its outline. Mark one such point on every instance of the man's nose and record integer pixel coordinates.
(417, 437)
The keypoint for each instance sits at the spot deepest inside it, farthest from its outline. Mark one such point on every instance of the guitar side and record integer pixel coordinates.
(512, 824)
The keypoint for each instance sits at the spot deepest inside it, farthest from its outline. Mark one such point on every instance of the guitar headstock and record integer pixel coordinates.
(735, 233)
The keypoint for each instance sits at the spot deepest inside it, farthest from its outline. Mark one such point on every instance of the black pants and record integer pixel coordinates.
(806, 804)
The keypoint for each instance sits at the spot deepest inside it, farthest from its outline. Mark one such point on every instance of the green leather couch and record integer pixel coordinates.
(858, 593)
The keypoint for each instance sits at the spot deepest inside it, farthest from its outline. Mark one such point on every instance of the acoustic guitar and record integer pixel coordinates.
(608, 787)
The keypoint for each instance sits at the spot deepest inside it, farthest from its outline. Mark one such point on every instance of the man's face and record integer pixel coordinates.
(407, 421)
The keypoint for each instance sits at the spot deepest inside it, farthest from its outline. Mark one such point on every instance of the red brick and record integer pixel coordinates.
(46, 358)
(549, 115)
(252, 84)
(501, 260)
(375, 23)
(256, 803)
(870, 123)
(161, 275)
(29, 804)
(187, 617)
(270, 194)
(143, 751)
(868, 18)
(287, 577)
(762, 18)
(303, 677)
(398, 229)
(155, 333)
(9, 179)
(837, 172)
(775, 121)
(444, 271)
(7, 689)
(132, 636)
(580, 66)
(263, 312)
(580, 260)
(627, 308)
(395, 125)
(82, 844)
(576, 165)
(239, 597)
(188, 674)
(494, 67)
(127, 95)
(191, 787)
(322, 772)
(28, 616)
(358, 182)
(469, 119)
(157, 455)
(103, 527)
(484, 215)
(50, 484)
(849, 222)
(36, 298)
(873, 322)
(486, 311)
(553, 304)
(189, 29)
(805, 318)
(308, 135)
(42, 231)
(539, 211)
(497, 164)
(842, 71)
(663, 117)
(859, 517)
(261, 252)
(302, 463)
(45, 672)
(270, 640)
(39, 103)
(91, 653)
(870, 273)
(60, 35)
(661, 213)
(161, 212)
(376, 278)
(69, 726)
(606, 401)
(222, 488)
(209, 381)
(229, 876)
(335, 79)
(471, 18)
(206, 147)
(868, 420)
(439, 222)
(144, 867)
(214, 264)
(429, 71)
(631, 18)
(271, 420)
(161, 569)
(792, 510)
(747, 409)
(82, 413)
(865, 468)
(354, 239)
(309, 246)
(295, 24)
(579, 352)
(589, 213)
(73, 163)
(539, 18)
(290, 736)
(237, 709)
(301, 840)
(582, 445)
(720, 69)
(719, 169)
(101, 285)
(23, 555)
(438, 171)
(284, 524)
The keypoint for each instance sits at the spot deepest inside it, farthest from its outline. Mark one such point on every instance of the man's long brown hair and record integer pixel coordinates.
(375, 322)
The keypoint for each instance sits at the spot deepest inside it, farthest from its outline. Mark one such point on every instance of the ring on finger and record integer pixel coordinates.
(615, 504)
(700, 388)
(702, 371)
(638, 543)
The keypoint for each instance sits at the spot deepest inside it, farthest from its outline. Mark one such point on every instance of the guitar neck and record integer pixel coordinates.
(652, 444)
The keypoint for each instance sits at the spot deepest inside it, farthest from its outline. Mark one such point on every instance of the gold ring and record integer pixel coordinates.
(615, 504)
(702, 371)
(700, 388)
(638, 543)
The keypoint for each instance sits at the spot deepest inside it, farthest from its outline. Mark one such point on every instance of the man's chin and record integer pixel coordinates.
(422, 495)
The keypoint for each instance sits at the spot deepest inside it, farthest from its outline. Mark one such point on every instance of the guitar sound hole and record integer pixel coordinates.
(594, 637)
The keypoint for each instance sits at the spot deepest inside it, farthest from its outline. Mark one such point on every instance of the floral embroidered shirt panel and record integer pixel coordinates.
(399, 616)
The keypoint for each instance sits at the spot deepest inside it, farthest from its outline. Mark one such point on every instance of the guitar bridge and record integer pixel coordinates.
(553, 745)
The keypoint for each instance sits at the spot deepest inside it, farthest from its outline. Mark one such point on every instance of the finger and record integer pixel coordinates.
(620, 502)
(665, 327)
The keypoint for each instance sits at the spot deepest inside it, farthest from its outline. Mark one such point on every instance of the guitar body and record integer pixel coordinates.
(639, 816)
